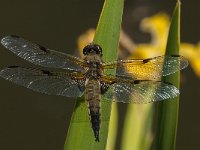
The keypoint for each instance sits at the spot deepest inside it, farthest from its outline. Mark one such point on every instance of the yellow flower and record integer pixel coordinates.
(157, 26)
(192, 53)
(85, 39)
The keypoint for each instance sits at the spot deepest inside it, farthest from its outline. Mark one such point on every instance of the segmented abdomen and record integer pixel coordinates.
(92, 96)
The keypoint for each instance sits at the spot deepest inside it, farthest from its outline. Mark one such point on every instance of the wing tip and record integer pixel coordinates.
(185, 61)
(4, 39)
(174, 90)
(12, 66)
(14, 36)
(2, 73)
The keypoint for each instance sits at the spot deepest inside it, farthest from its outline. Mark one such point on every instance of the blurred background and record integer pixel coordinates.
(35, 121)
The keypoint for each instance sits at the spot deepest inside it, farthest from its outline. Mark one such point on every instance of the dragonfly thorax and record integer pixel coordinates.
(94, 71)
(94, 63)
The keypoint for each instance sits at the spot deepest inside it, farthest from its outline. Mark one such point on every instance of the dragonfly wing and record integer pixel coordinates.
(40, 55)
(148, 69)
(44, 81)
(141, 92)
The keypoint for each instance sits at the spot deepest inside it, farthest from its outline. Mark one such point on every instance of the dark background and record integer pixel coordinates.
(34, 121)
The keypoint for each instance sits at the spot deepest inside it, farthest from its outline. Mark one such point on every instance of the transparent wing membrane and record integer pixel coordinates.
(141, 92)
(40, 55)
(135, 81)
(148, 69)
(43, 81)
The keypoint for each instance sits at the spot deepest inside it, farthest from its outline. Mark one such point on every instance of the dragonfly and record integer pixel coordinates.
(135, 81)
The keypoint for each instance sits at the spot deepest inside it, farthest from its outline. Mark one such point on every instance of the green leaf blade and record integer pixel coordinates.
(167, 120)
(137, 133)
(80, 134)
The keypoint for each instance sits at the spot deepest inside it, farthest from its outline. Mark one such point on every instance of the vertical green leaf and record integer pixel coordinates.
(165, 138)
(137, 133)
(113, 126)
(80, 134)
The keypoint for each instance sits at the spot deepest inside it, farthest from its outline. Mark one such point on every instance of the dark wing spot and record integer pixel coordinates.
(47, 72)
(15, 36)
(137, 81)
(167, 83)
(175, 55)
(147, 60)
(13, 66)
(140, 81)
(43, 48)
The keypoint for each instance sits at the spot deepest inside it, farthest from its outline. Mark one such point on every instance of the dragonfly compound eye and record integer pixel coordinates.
(95, 47)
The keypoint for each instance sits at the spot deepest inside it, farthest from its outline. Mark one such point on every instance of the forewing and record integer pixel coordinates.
(52, 83)
(40, 55)
(141, 92)
(148, 69)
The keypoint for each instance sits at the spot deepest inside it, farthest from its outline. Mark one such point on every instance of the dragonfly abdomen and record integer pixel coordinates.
(92, 96)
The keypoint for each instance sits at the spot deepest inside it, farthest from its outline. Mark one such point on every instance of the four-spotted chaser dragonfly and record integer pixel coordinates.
(135, 81)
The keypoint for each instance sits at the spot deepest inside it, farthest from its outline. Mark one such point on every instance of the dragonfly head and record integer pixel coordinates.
(92, 48)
